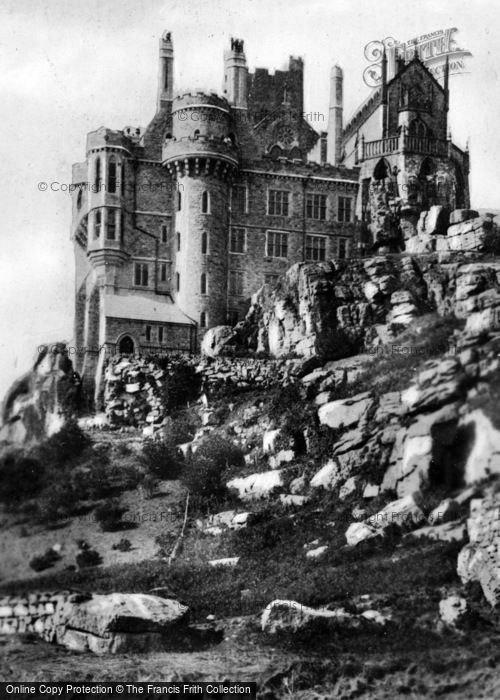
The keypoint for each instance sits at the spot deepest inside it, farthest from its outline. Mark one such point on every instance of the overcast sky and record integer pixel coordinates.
(68, 67)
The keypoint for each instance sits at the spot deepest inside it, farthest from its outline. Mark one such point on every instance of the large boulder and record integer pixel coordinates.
(256, 486)
(289, 616)
(404, 514)
(123, 622)
(217, 341)
(38, 404)
(345, 412)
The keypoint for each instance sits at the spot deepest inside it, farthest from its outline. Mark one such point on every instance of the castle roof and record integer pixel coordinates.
(142, 308)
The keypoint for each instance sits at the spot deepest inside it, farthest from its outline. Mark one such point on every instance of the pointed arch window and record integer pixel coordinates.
(203, 283)
(203, 319)
(179, 200)
(204, 243)
(178, 241)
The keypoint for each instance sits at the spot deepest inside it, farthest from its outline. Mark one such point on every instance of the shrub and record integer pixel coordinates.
(87, 558)
(181, 386)
(124, 545)
(45, 561)
(64, 446)
(109, 516)
(491, 241)
(161, 459)
(21, 477)
(204, 473)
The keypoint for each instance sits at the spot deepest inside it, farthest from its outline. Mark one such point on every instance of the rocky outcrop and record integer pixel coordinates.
(38, 404)
(479, 560)
(338, 309)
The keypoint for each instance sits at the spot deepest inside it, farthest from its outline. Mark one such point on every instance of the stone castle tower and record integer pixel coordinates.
(175, 226)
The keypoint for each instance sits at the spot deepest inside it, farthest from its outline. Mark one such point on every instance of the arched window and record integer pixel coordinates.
(204, 243)
(179, 200)
(275, 152)
(126, 346)
(196, 133)
(97, 223)
(178, 281)
(381, 171)
(111, 224)
(97, 174)
(205, 203)
(203, 283)
(122, 178)
(112, 174)
(178, 241)
(203, 320)
(418, 128)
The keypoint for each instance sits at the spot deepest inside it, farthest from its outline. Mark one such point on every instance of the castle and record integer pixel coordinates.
(175, 226)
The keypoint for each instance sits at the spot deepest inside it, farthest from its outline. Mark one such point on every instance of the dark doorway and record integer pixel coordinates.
(126, 346)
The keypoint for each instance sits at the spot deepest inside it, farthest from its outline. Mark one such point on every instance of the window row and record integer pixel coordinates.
(205, 202)
(155, 333)
(109, 221)
(277, 245)
(279, 204)
(142, 273)
(114, 175)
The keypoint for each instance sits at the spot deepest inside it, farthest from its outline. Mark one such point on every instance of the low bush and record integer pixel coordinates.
(45, 561)
(87, 558)
(109, 516)
(21, 477)
(63, 447)
(124, 545)
(205, 472)
(161, 459)
(182, 385)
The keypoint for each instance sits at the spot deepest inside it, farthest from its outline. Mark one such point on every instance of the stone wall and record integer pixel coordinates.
(134, 388)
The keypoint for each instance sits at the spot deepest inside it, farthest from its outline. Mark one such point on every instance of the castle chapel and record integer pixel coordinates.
(175, 226)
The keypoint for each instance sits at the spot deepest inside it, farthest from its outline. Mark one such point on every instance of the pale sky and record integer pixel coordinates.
(68, 67)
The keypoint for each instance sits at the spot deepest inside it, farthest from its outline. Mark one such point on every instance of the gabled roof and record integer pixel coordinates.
(415, 60)
(142, 308)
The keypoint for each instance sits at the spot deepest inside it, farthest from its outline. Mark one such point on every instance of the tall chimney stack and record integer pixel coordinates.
(334, 147)
(166, 72)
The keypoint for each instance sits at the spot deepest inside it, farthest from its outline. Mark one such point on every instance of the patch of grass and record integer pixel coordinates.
(427, 338)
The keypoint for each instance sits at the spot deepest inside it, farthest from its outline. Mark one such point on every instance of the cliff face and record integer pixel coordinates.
(337, 310)
(38, 403)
